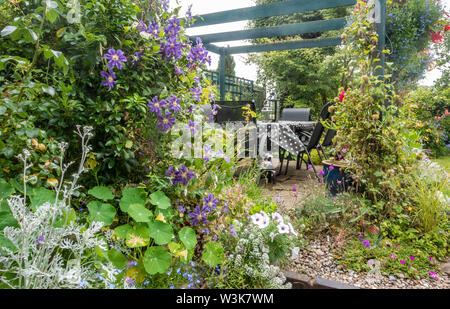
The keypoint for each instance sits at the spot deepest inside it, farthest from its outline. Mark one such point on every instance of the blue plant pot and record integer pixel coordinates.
(336, 180)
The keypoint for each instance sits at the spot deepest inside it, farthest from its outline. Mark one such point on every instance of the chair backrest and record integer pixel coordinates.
(325, 113)
(328, 139)
(229, 111)
(319, 128)
(296, 114)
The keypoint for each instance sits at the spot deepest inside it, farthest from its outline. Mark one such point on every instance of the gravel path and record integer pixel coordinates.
(316, 260)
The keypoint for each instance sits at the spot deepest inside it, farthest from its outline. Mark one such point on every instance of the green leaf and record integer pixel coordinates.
(128, 144)
(5, 189)
(7, 219)
(156, 260)
(213, 254)
(40, 196)
(101, 212)
(139, 213)
(6, 243)
(52, 15)
(122, 231)
(160, 200)
(161, 232)
(188, 237)
(131, 196)
(30, 36)
(102, 193)
(8, 30)
(117, 258)
(138, 237)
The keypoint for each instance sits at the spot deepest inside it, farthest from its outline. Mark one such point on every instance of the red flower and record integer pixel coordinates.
(447, 27)
(341, 97)
(436, 37)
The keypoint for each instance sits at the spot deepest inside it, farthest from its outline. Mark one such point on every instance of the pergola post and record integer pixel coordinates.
(222, 76)
(381, 30)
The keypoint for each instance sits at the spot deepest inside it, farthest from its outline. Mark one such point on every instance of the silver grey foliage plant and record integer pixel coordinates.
(51, 250)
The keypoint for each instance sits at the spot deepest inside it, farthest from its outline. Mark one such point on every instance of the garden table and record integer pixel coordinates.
(285, 134)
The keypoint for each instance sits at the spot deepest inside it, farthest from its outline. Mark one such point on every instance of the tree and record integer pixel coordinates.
(304, 77)
(229, 65)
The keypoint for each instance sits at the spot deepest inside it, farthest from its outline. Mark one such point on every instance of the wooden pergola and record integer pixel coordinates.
(277, 9)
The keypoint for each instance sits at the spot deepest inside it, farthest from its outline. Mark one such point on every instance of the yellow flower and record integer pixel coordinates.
(409, 208)
(182, 254)
(52, 182)
(160, 217)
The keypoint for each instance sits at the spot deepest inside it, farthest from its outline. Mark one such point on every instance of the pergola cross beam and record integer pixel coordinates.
(277, 9)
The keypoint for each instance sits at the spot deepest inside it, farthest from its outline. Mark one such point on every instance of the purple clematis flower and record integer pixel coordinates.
(210, 201)
(171, 49)
(199, 216)
(165, 121)
(172, 175)
(153, 29)
(115, 58)
(366, 243)
(191, 126)
(184, 175)
(196, 92)
(174, 104)
(137, 58)
(110, 79)
(173, 27)
(155, 105)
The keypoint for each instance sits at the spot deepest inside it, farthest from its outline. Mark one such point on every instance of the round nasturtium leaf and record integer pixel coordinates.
(40, 196)
(160, 200)
(213, 254)
(188, 237)
(161, 232)
(101, 212)
(122, 231)
(102, 193)
(5, 189)
(156, 260)
(117, 258)
(131, 196)
(138, 237)
(139, 213)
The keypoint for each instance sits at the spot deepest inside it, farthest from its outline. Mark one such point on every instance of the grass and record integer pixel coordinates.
(445, 163)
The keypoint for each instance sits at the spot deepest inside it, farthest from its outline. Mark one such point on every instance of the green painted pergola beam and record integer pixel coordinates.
(284, 46)
(268, 10)
(292, 29)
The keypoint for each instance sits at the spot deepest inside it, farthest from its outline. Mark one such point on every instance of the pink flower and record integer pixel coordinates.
(294, 188)
(339, 182)
(412, 258)
(402, 262)
(396, 246)
(436, 37)
(310, 166)
(392, 256)
(331, 167)
(433, 274)
(341, 97)
(321, 173)
(431, 259)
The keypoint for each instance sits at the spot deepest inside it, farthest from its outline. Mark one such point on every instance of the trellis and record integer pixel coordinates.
(277, 9)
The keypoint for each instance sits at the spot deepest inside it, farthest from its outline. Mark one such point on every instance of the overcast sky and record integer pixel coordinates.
(200, 7)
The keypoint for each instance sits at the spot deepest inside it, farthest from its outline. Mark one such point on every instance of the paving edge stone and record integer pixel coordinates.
(301, 281)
